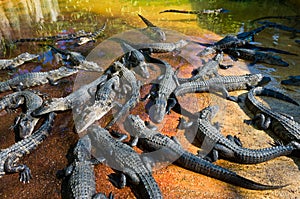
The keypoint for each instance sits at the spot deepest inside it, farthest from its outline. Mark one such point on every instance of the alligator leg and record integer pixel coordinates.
(10, 167)
(52, 82)
(183, 124)
(260, 120)
(235, 139)
(171, 103)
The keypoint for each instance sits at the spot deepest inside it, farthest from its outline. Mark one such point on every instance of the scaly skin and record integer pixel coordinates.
(81, 183)
(135, 91)
(17, 61)
(161, 47)
(76, 99)
(104, 102)
(284, 126)
(223, 84)
(197, 12)
(9, 157)
(35, 79)
(293, 81)
(77, 60)
(123, 159)
(25, 123)
(256, 56)
(155, 32)
(91, 37)
(171, 150)
(229, 149)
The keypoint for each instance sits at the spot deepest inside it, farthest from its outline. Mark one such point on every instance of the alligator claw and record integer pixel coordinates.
(25, 175)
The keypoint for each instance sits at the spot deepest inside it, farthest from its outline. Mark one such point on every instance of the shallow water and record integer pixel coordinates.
(27, 19)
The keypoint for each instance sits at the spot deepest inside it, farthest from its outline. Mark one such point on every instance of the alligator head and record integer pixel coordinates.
(54, 104)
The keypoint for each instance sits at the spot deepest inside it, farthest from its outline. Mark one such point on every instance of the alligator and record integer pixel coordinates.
(76, 60)
(249, 36)
(293, 17)
(17, 61)
(282, 125)
(207, 70)
(293, 80)
(297, 41)
(161, 93)
(74, 100)
(255, 56)
(223, 84)
(104, 102)
(160, 47)
(36, 78)
(125, 161)
(198, 12)
(280, 26)
(170, 150)
(135, 90)
(91, 37)
(155, 32)
(9, 157)
(209, 138)
(71, 36)
(81, 182)
(133, 58)
(24, 123)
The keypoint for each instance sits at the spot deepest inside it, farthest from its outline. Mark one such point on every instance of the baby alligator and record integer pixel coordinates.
(155, 32)
(92, 36)
(282, 125)
(81, 183)
(74, 100)
(210, 139)
(223, 84)
(25, 123)
(17, 61)
(123, 159)
(35, 79)
(10, 156)
(161, 47)
(171, 150)
(198, 12)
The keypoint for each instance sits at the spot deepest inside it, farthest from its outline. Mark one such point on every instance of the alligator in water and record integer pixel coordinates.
(17, 61)
(198, 12)
(36, 78)
(209, 138)
(170, 150)
(282, 125)
(24, 123)
(81, 182)
(91, 37)
(155, 32)
(293, 81)
(9, 157)
(126, 162)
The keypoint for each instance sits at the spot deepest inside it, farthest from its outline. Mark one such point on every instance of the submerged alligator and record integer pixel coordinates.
(124, 160)
(81, 182)
(170, 150)
(213, 143)
(293, 81)
(282, 125)
(155, 32)
(10, 156)
(24, 123)
(17, 61)
(36, 78)
(197, 12)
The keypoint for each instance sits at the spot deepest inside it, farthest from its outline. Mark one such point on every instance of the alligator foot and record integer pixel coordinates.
(235, 139)
(183, 124)
(25, 173)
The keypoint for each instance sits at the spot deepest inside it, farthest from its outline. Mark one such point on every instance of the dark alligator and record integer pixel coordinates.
(209, 138)
(17, 61)
(280, 26)
(198, 12)
(133, 58)
(74, 100)
(36, 78)
(91, 37)
(282, 125)
(207, 70)
(77, 60)
(58, 37)
(155, 32)
(161, 93)
(24, 123)
(223, 84)
(125, 161)
(87, 114)
(170, 150)
(255, 56)
(81, 182)
(249, 36)
(135, 85)
(293, 80)
(161, 47)
(290, 18)
(9, 157)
